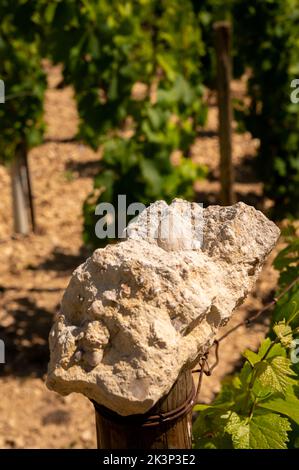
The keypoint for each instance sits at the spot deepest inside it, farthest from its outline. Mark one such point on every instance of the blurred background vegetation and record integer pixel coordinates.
(142, 72)
(139, 70)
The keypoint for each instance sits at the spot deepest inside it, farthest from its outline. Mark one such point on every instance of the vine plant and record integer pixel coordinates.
(109, 50)
(21, 115)
(267, 46)
(259, 407)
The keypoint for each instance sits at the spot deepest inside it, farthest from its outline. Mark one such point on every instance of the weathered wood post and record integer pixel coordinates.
(168, 425)
(222, 30)
(19, 190)
(137, 316)
(22, 197)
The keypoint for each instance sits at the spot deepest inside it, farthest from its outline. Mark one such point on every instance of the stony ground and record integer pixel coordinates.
(35, 270)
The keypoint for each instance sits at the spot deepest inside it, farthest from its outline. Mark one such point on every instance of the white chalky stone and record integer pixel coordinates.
(138, 312)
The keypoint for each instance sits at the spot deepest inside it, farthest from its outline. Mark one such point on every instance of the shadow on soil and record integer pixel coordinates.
(26, 339)
(87, 169)
(62, 262)
(26, 336)
(247, 171)
(251, 198)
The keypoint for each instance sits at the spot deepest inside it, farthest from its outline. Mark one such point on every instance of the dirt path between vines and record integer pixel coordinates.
(35, 270)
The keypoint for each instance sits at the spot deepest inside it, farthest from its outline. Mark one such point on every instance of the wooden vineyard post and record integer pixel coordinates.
(166, 426)
(222, 31)
(22, 198)
(19, 193)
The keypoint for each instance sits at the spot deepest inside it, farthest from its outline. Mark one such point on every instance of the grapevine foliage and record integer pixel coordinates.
(21, 116)
(266, 47)
(135, 67)
(266, 42)
(259, 407)
(287, 262)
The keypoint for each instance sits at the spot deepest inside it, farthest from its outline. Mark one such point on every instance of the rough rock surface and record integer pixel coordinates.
(138, 312)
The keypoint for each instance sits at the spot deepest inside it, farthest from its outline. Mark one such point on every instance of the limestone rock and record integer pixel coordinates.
(137, 313)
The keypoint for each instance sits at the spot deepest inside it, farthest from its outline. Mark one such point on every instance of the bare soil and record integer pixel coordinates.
(35, 270)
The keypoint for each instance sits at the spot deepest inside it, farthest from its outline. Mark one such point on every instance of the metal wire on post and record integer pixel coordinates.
(166, 426)
(148, 420)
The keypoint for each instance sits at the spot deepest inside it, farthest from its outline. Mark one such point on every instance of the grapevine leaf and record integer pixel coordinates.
(284, 333)
(287, 307)
(229, 391)
(275, 374)
(251, 356)
(268, 431)
(245, 374)
(239, 431)
(209, 430)
(288, 405)
(262, 431)
(201, 407)
(276, 350)
(150, 173)
(287, 256)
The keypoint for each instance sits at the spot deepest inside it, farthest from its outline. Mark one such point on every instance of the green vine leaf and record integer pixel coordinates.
(276, 350)
(275, 374)
(257, 407)
(268, 431)
(209, 430)
(262, 431)
(239, 431)
(252, 357)
(284, 332)
(288, 405)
